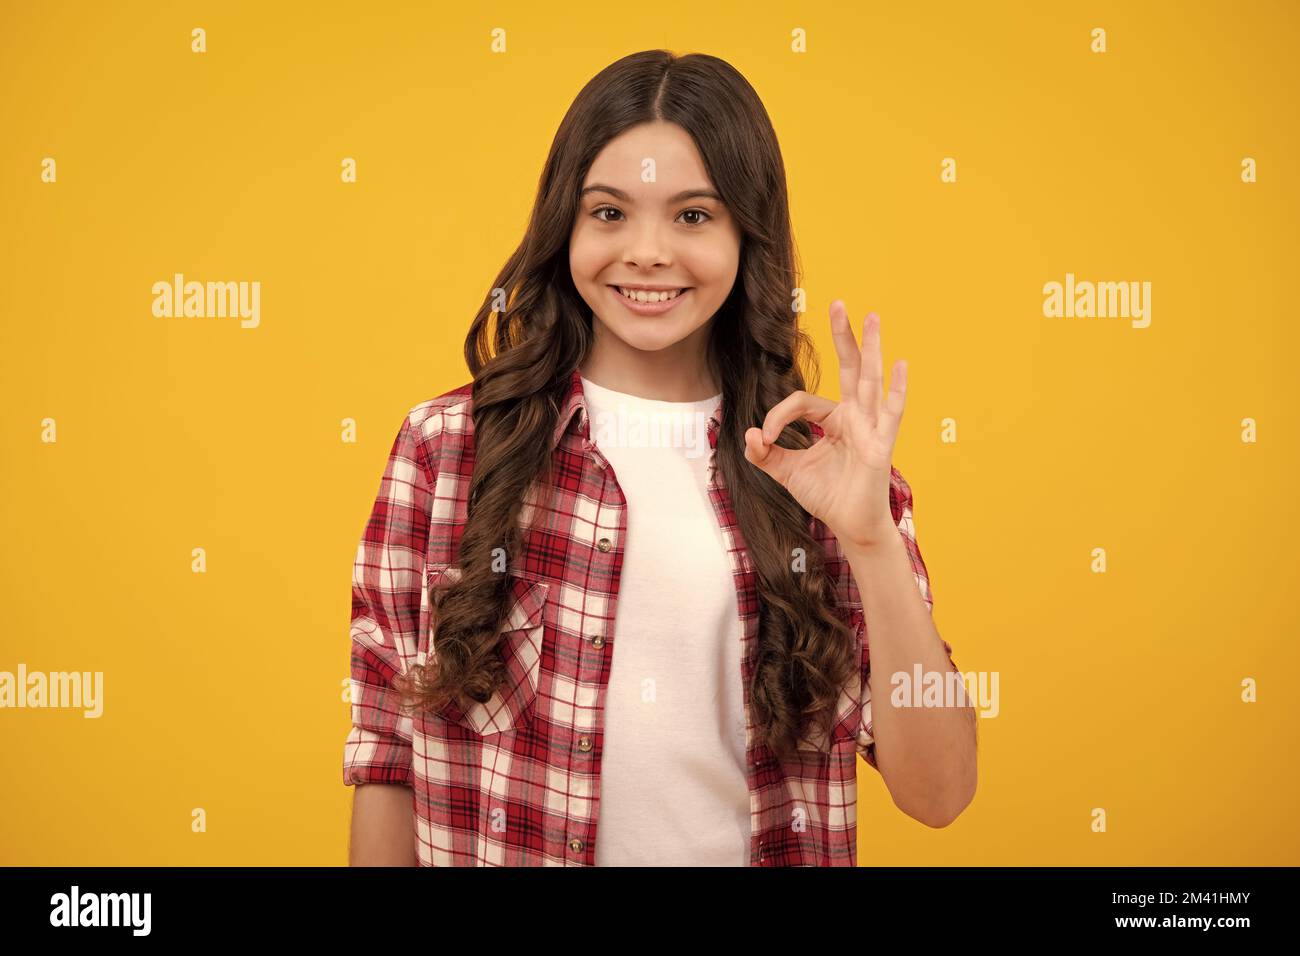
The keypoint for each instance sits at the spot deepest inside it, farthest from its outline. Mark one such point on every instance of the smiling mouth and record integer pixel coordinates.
(650, 298)
(651, 308)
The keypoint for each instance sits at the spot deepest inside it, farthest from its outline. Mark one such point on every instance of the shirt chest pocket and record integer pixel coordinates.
(523, 629)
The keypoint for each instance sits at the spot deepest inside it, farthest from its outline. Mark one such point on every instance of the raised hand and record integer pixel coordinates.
(843, 479)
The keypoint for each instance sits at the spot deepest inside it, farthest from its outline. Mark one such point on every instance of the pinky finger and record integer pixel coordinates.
(896, 399)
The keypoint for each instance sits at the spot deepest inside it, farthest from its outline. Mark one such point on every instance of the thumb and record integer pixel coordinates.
(771, 459)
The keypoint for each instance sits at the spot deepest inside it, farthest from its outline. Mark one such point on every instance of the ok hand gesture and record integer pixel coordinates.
(843, 479)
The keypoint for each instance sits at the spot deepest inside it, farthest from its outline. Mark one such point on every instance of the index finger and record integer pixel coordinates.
(798, 404)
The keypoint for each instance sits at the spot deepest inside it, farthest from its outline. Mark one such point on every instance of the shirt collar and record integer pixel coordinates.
(574, 409)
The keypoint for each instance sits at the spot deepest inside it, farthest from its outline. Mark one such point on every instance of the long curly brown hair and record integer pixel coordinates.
(523, 365)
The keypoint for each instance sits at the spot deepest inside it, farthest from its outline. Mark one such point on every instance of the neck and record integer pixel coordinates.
(679, 373)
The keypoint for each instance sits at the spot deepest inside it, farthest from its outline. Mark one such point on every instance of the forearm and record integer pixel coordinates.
(383, 826)
(926, 754)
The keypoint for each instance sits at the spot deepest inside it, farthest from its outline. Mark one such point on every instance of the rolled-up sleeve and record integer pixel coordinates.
(387, 593)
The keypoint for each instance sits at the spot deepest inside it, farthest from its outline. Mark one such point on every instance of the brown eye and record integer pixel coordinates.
(603, 209)
(698, 212)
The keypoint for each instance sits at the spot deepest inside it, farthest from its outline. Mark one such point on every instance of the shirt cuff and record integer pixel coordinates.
(370, 757)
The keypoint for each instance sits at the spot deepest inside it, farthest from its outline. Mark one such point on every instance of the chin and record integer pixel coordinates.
(649, 339)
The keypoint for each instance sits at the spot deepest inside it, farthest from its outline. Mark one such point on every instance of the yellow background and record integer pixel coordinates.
(224, 690)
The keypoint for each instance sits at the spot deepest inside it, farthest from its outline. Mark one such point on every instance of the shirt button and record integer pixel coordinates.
(576, 845)
(598, 641)
(603, 544)
(584, 742)
(762, 853)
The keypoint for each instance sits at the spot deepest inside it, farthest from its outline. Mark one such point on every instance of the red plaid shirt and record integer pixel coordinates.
(515, 781)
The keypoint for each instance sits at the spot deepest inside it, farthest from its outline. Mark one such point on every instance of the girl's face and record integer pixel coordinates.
(671, 233)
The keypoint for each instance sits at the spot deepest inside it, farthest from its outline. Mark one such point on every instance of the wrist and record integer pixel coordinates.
(865, 540)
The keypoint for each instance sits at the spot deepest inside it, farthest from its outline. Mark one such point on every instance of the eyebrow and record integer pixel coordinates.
(680, 197)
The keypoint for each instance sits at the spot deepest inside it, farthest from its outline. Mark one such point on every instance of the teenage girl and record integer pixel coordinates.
(576, 644)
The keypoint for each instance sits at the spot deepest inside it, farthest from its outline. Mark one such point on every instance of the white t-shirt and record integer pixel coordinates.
(673, 786)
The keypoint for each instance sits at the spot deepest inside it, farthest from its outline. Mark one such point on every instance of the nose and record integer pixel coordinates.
(647, 245)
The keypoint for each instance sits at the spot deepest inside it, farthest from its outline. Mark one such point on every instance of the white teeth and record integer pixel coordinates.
(640, 295)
